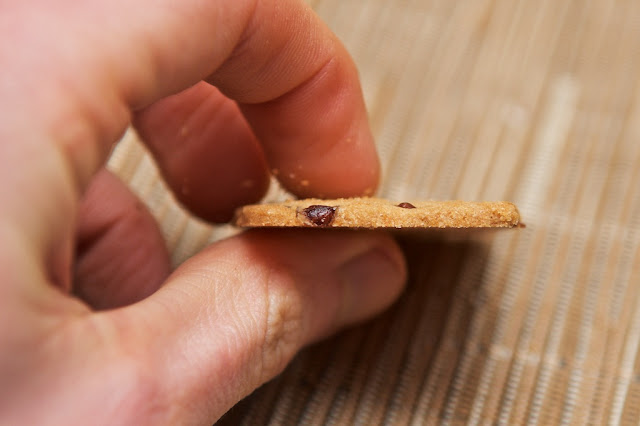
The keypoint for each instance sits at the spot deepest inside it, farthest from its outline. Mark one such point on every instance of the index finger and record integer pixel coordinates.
(294, 80)
(65, 99)
(299, 87)
(300, 92)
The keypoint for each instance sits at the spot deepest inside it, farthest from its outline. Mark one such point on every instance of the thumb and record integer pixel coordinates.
(233, 316)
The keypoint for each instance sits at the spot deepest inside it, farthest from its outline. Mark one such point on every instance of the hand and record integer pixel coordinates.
(120, 339)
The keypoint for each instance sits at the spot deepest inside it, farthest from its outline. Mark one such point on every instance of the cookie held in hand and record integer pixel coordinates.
(376, 213)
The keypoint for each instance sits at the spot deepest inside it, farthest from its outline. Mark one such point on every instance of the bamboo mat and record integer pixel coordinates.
(533, 101)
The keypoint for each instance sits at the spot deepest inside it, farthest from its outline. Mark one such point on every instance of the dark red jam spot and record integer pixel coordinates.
(320, 215)
(406, 206)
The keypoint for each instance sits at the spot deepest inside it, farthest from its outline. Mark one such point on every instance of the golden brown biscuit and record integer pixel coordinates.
(374, 213)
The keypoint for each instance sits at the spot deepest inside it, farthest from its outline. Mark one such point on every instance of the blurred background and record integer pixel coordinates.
(531, 101)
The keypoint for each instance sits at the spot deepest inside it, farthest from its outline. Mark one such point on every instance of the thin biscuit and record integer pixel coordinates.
(376, 213)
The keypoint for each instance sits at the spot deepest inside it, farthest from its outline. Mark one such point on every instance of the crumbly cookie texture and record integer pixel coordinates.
(374, 213)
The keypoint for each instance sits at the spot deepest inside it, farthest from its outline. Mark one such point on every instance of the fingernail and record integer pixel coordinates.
(372, 281)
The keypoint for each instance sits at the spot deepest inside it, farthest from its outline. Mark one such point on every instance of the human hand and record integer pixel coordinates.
(120, 340)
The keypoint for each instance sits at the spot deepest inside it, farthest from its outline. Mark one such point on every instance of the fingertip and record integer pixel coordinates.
(371, 281)
(350, 168)
(325, 147)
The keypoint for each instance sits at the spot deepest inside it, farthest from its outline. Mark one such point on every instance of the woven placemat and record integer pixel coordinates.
(536, 102)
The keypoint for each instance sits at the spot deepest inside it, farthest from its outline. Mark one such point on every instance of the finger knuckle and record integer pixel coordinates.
(283, 323)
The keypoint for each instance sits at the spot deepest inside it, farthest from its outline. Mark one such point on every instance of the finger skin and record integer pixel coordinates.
(302, 96)
(206, 151)
(232, 317)
(299, 89)
(121, 255)
(316, 159)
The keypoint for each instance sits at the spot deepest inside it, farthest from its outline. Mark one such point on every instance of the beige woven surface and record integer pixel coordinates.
(533, 101)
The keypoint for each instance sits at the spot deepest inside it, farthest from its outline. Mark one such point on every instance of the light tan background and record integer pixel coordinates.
(534, 101)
